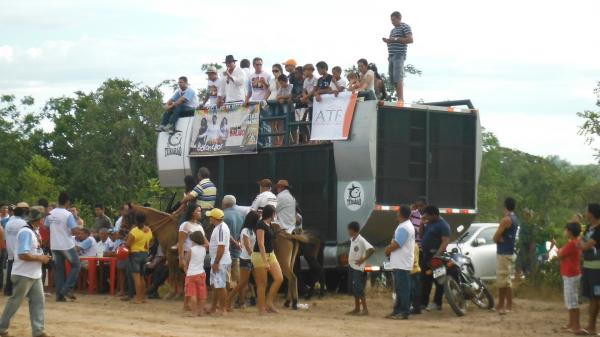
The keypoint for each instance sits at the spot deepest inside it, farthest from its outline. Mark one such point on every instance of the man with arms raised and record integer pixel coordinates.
(62, 227)
(27, 276)
(232, 88)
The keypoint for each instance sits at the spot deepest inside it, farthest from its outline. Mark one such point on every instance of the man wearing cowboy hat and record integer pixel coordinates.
(286, 206)
(27, 276)
(13, 226)
(232, 89)
(214, 82)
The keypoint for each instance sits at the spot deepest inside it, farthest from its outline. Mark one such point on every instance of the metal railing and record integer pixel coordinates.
(280, 127)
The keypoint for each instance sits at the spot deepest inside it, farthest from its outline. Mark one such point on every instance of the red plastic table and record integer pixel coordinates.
(92, 271)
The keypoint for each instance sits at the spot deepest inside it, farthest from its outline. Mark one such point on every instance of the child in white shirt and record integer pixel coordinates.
(195, 277)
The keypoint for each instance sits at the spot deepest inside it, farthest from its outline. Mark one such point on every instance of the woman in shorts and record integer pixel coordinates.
(248, 240)
(264, 262)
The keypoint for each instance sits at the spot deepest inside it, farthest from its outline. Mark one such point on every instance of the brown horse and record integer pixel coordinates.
(164, 228)
(286, 250)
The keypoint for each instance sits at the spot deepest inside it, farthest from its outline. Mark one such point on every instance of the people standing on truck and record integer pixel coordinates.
(298, 86)
(233, 83)
(296, 80)
(265, 196)
(205, 192)
(183, 102)
(400, 36)
(325, 83)
(245, 65)
(401, 251)
(339, 82)
(214, 82)
(505, 238)
(310, 83)
(366, 84)
(590, 278)
(436, 236)
(380, 92)
(258, 84)
(359, 253)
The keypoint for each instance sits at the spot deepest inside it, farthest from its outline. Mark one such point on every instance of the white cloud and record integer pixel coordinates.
(34, 52)
(6, 53)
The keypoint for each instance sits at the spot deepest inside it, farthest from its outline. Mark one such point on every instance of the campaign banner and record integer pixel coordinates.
(225, 131)
(332, 116)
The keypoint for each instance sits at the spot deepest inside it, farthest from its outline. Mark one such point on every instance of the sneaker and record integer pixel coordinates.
(61, 299)
(169, 128)
(160, 128)
(70, 295)
(433, 306)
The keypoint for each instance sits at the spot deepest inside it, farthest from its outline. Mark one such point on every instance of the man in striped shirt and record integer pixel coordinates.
(205, 192)
(400, 37)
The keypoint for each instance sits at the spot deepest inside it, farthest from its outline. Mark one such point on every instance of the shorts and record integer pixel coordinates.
(571, 291)
(220, 278)
(504, 270)
(257, 260)
(359, 280)
(396, 67)
(235, 270)
(245, 264)
(195, 286)
(590, 283)
(137, 262)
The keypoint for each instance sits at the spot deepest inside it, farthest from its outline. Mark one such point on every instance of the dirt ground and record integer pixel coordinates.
(103, 315)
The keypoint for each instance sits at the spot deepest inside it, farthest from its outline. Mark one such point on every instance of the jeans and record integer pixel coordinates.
(8, 286)
(427, 282)
(160, 274)
(34, 291)
(60, 257)
(403, 290)
(3, 258)
(415, 291)
(369, 95)
(170, 117)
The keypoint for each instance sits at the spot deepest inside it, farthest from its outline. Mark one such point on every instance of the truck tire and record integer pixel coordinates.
(455, 298)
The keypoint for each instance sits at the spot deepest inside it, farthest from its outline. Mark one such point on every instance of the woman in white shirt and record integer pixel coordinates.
(184, 244)
(248, 239)
(273, 83)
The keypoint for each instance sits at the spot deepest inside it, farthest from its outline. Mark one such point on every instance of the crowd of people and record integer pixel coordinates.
(295, 90)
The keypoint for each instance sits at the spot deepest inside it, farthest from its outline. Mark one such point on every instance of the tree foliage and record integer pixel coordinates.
(590, 128)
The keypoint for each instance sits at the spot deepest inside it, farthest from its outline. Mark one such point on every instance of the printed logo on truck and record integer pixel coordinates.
(353, 196)
(173, 147)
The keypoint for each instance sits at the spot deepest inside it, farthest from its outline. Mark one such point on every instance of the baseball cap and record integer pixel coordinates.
(265, 183)
(216, 213)
(36, 213)
(211, 69)
(291, 62)
(22, 204)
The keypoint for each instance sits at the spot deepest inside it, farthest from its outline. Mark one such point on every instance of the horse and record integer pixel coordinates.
(286, 250)
(164, 228)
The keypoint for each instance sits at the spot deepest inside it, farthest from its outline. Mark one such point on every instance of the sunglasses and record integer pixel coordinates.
(275, 70)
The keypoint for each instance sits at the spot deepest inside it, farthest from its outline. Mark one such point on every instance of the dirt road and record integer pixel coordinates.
(105, 316)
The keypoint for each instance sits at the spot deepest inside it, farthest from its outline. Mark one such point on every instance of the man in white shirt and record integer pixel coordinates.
(220, 259)
(402, 253)
(62, 226)
(258, 84)
(286, 206)
(366, 85)
(183, 102)
(265, 196)
(213, 88)
(339, 81)
(86, 245)
(27, 276)
(232, 88)
(122, 212)
(13, 226)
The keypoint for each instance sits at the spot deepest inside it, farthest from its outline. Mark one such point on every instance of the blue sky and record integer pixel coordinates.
(529, 66)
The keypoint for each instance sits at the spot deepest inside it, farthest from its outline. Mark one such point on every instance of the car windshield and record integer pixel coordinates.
(464, 237)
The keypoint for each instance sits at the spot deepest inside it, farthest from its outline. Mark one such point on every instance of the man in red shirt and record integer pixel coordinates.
(570, 256)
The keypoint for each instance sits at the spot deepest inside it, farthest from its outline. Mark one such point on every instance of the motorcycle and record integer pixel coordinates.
(455, 272)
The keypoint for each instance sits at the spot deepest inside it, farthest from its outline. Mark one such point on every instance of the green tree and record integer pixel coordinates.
(590, 128)
(37, 181)
(103, 143)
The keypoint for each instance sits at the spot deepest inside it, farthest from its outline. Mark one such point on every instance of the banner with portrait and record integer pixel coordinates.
(332, 116)
(230, 130)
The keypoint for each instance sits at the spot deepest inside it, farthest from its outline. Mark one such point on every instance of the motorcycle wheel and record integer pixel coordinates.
(484, 299)
(455, 298)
